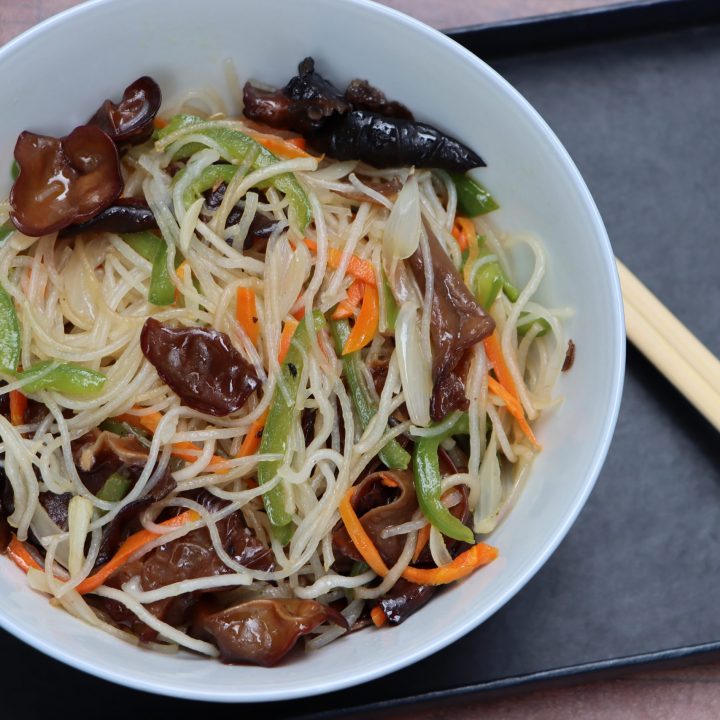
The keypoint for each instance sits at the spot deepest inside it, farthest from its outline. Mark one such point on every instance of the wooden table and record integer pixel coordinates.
(688, 692)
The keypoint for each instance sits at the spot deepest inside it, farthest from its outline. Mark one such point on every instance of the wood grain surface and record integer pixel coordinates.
(690, 692)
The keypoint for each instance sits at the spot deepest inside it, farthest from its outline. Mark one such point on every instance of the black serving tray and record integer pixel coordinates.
(634, 94)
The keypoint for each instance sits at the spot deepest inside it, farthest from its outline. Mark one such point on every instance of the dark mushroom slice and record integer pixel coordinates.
(381, 500)
(457, 322)
(130, 121)
(364, 96)
(385, 142)
(260, 631)
(63, 180)
(125, 215)
(201, 366)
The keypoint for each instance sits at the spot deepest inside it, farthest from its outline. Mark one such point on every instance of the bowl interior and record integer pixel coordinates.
(55, 76)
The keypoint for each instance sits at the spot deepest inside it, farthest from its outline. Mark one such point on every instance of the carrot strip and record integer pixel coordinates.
(423, 539)
(514, 408)
(366, 325)
(346, 307)
(477, 556)
(495, 356)
(184, 450)
(19, 554)
(159, 123)
(286, 338)
(132, 545)
(251, 442)
(246, 311)
(465, 563)
(18, 406)
(357, 267)
(463, 231)
(291, 148)
(378, 616)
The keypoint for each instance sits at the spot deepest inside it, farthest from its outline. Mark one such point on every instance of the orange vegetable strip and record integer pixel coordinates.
(359, 537)
(130, 547)
(514, 408)
(251, 442)
(180, 272)
(184, 450)
(19, 554)
(495, 356)
(246, 311)
(286, 338)
(159, 123)
(357, 267)
(422, 540)
(465, 563)
(346, 307)
(18, 406)
(477, 556)
(463, 231)
(378, 616)
(366, 325)
(280, 146)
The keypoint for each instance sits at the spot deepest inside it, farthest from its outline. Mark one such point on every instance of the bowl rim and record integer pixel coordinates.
(593, 470)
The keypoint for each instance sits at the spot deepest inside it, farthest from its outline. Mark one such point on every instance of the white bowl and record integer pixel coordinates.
(54, 76)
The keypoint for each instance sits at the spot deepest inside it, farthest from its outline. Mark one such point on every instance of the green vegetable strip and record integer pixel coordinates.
(9, 334)
(393, 454)
(114, 427)
(115, 488)
(525, 323)
(154, 249)
(279, 425)
(490, 280)
(390, 308)
(235, 146)
(62, 377)
(473, 198)
(14, 170)
(426, 467)
(6, 229)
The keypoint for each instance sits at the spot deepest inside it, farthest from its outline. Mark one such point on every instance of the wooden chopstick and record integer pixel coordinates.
(671, 347)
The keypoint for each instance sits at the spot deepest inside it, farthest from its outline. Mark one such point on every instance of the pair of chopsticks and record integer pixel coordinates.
(671, 347)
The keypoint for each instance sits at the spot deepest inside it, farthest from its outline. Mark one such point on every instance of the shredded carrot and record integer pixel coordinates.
(159, 123)
(298, 314)
(477, 556)
(180, 272)
(246, 311)
(184, 450)
(366, 324)
(463, 231)
(465, 563)
(346, 307)
(514, 408)
(378, 616)
(388, 481)
(251, 442)
(286, 338)
(357, 267)
(422, 540)
(495, 356)
(131, 546)
(290, 148)
(19, 554)
(18, 406)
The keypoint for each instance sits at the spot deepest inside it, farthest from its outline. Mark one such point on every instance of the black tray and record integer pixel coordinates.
(636, 581)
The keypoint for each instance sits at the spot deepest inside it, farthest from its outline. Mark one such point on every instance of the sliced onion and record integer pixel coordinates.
(415, 370)
(401, 236)
(290, 267)
(80, 512)
(43, 527)
(487, 510)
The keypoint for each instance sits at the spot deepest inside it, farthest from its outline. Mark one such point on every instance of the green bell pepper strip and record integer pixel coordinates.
(62, 377)
(473, 199)
(14, 170)
(525, 323)
(235, 146)
(114, 426)
(490, 280)
(426, 468)
(279, 426)
(393, 454)
(154, 249)
(390, 308)
(6, 229)
(9, 334)
(115, 488)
